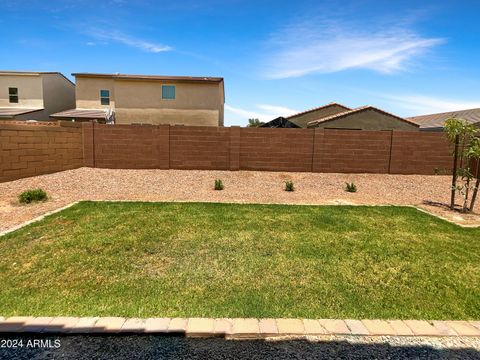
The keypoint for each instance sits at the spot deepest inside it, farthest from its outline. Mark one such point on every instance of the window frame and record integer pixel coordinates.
(13, 95)
(174, 91)
(107, 98)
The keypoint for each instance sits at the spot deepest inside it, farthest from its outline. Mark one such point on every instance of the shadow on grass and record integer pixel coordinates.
(180, 347)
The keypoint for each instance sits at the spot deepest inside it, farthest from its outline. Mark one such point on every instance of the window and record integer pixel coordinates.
(105, 97)
(168, 92)
(13, 95)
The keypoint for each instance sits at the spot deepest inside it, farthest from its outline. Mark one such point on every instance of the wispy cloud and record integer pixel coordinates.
(263, 112)
(122, 38)
(423, 104)
(326, 46)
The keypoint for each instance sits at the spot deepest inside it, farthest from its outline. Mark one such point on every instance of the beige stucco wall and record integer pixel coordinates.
(167, 116)
(138, 101)
(30, 90)
(302, 120)
(368, 120)
(58, 93)
(87, 92)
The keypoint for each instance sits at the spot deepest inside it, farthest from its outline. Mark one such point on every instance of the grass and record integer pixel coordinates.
(226, 260)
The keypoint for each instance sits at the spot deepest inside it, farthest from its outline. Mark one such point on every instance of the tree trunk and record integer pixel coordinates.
(477, 185)
(454, 173)
(465, 201)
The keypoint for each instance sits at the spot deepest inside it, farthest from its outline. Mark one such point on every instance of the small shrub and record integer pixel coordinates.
(289, 186)
(218, 184)
(34, 195)
(351, 187)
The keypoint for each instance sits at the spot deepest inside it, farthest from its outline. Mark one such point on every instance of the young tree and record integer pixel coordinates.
(254, 123)
(464, 136)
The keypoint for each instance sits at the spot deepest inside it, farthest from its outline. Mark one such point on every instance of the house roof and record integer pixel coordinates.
(357, 110)
(34, 73)
(202, 79)
(80, 113)
(9, 112)
(279, 122)
(318, 108)
(437, 120)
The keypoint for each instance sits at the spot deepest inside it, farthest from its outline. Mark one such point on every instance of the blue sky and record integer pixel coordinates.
(277, 57)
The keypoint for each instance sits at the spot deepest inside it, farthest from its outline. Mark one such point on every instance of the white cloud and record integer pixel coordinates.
(263, 112)
(423, 104)
(119, 37)
(320, 46)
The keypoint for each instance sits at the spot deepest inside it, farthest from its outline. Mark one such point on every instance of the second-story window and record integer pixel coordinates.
(105, 97)
(13, 94)
(168, 92)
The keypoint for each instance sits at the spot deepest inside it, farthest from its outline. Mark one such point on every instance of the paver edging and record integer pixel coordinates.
(239, 328)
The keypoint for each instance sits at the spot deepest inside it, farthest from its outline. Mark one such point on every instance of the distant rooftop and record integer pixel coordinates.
(318, 108)
(15, 72)
(152, 77)
(438, 120)
(356, 110)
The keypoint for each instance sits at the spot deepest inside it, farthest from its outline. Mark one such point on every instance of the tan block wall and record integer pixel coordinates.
(30, 150)
(421, 153)
(276, 149)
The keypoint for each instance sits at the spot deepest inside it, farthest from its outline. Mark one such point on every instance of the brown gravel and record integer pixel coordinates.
(240, 186)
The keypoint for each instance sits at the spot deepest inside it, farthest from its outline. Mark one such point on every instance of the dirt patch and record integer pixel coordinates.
(240, 187)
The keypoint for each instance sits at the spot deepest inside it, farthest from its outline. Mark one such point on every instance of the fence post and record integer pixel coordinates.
(234, 156)
(88, 144)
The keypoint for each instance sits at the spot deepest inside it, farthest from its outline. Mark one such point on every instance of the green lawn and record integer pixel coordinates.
(226, 260)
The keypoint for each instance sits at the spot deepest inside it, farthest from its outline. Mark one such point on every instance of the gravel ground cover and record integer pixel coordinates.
(240, 186)
(175, 347)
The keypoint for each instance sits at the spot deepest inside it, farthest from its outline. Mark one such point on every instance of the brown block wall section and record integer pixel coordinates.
(420, 153)
(130, 146)
(34, 149)
(276, 149)
(30, 150)
(352, 151)
(199, 147)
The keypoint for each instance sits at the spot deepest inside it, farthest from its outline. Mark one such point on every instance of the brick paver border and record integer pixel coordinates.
(237, 328)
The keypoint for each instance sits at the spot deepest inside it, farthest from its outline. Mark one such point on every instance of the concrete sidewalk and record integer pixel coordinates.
(239, 327)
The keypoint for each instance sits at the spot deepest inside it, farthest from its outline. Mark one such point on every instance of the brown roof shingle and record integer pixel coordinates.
(438, 120)
(80, 113)
(318, 108)
(356, 110)
(10, 112)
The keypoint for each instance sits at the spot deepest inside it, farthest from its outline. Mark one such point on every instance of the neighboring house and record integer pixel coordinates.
(364, 118)
(303, 118)
(435, 122)
(34, 95)
(336, 116)
(148, 99)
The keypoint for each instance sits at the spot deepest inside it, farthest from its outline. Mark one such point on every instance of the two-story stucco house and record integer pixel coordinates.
(148, 99)
(34, 95)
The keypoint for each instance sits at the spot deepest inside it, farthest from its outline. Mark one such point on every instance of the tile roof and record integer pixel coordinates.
(438, 120)
(9, 112)
(356, 110)
(80, 113)
(152, 77)
(318, 108)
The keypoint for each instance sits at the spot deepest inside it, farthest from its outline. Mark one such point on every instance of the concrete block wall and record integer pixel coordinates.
(29, 150)
(34, 149)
